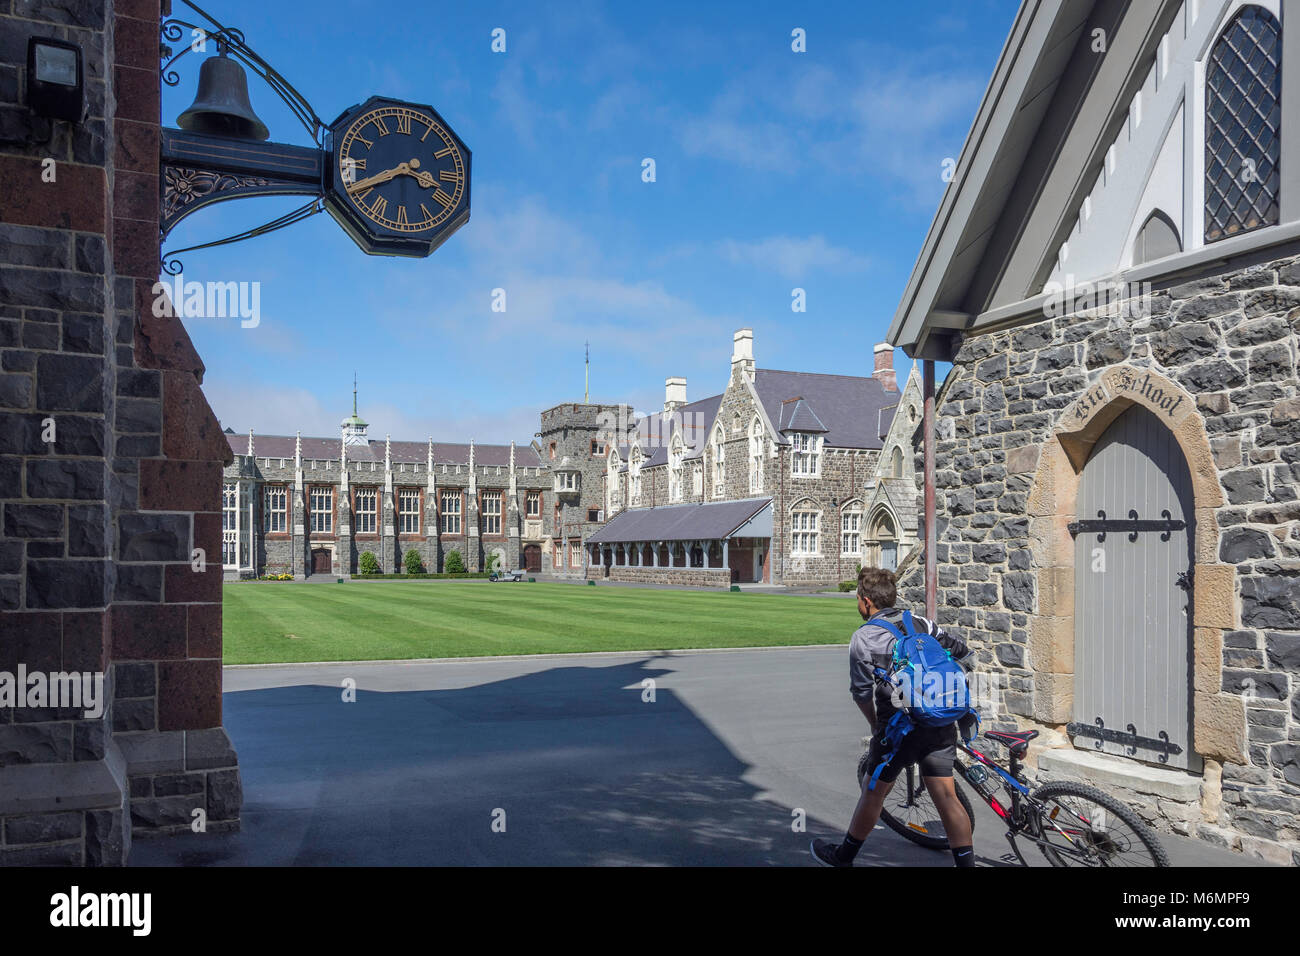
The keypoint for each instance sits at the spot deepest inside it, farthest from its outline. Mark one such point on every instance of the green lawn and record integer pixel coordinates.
(268, 622)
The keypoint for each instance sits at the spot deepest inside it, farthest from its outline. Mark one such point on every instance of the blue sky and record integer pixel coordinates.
(775, 170)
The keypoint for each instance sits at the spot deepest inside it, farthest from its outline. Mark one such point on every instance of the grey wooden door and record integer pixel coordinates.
(1133, 646)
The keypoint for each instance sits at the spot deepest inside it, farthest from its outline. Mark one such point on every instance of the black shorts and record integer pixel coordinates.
(934, 748)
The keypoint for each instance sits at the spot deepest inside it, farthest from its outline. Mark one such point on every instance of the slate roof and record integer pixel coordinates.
(282, 446)
(798, 416)
(689, 522)
(655, 435)
(853, 411)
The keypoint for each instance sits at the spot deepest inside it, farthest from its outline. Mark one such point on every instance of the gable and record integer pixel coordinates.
(1092, 145)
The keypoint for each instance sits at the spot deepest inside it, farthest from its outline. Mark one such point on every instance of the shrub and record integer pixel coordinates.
(454, 563)
(368, 564)
(848, 585)
(493, 559)
(413, 563)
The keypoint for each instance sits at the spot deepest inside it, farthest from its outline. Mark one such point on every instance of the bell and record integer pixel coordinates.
(221, 107)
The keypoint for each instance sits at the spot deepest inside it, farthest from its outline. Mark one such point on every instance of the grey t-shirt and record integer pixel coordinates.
(872, 646)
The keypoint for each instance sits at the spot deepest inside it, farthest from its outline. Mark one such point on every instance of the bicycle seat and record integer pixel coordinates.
(1017, 742)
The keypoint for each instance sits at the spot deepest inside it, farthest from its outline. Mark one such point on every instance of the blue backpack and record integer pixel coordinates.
(932, 687)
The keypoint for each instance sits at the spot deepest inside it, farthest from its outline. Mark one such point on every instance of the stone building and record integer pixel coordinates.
(110, 469)
(1114, 272)
(788, 478)
(820, 458)
(307, 506)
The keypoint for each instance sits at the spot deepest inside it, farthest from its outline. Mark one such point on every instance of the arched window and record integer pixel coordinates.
(735, 423)
(634, 477)
(719, 463)
(896, 463)
(756, 444)
(1156, 239)
(675, 469)
(804, 528)
(1243, 119)
(851, 529)
(613, 500)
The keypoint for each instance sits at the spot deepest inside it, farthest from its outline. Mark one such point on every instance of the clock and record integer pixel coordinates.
(398, 177)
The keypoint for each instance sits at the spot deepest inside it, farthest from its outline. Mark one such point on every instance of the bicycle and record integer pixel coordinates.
(1071, 823)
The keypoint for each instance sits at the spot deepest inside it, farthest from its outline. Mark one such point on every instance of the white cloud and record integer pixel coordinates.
(793, 257)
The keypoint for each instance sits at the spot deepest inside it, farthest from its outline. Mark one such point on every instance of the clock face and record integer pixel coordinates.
(400, 177)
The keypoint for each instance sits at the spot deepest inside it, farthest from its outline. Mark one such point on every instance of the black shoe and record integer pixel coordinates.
(824, 852)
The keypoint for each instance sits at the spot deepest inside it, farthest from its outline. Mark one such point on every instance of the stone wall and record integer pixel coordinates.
(1015, 420)
(110, 465)
(678, 577)
(572, 427)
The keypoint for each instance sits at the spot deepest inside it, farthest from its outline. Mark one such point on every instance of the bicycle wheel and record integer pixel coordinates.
(910, 811)
(1082, 826)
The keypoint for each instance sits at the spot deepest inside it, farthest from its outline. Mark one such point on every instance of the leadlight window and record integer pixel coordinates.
(408, 511)
(365, 501)
(851, 531)
(675, 470)
(491, 512)
(803, 532)
(322, 510)
(230, 524)
(533, 505)
(756, 443)
(1243, 119)
(719, 465)
(451, 512)
(804, 461)
(273, 508)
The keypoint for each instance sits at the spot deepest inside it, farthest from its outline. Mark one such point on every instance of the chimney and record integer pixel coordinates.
(742, 353)
(674, 394)
(884, 373)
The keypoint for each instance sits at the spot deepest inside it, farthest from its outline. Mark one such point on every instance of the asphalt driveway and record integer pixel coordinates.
(555, 760)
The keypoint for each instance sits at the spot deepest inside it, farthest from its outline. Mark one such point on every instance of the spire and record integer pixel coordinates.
(586, 375)
(354, 393)
(430, 453)
(388, 453)
(250, 443)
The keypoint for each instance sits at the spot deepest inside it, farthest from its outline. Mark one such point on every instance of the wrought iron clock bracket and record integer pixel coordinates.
(198, 169)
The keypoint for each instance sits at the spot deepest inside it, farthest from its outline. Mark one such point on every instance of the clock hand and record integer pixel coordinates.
(377, 178)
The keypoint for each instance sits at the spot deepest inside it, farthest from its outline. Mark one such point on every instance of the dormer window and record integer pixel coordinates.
(805, 458)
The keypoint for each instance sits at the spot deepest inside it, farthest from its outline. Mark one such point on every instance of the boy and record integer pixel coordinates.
(934, 748)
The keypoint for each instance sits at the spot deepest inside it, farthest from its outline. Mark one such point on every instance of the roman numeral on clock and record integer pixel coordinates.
(443, 153)
(378, 206)
(449, 175)
(401, 216)
(369, 144)
(443, 199)
(404, 123)
(380, 125)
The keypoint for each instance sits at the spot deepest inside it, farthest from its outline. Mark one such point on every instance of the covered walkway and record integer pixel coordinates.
(712, 544)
